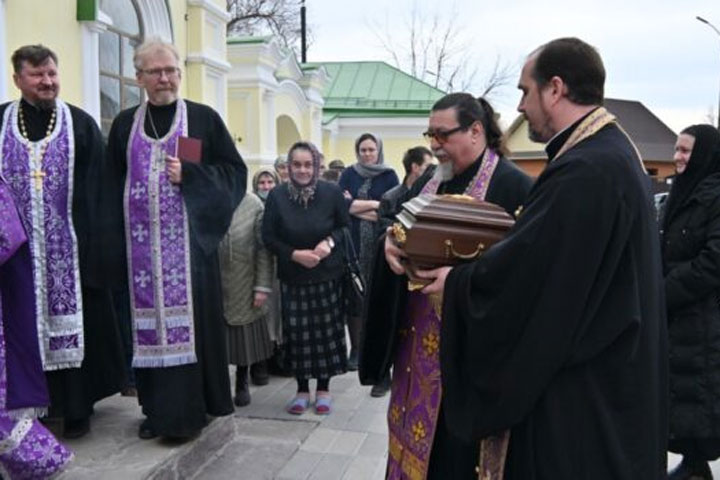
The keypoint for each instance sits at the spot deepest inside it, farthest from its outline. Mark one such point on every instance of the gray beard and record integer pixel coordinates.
(444, 172)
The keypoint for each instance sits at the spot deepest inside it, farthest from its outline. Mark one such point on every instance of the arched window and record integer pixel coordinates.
(118, 87)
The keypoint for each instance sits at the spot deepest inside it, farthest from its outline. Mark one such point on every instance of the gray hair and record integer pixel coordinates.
(150, 46)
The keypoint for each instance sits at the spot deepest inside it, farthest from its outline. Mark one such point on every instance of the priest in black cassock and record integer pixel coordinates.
(174, 178)
(557, 335)
(402, 326)
(51, 154)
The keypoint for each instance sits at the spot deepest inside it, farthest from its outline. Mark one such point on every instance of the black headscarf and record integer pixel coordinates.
(704, 161)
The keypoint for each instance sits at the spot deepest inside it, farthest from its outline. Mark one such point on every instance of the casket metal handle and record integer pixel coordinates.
(450, 251)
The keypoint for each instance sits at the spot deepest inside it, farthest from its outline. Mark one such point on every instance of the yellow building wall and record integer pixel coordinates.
(178, 10)
(199, 38)
(245, 119)
(518, 141)
(286, 105)
(52, 23)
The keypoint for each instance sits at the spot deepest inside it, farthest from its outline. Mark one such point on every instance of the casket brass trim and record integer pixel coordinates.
(450, 251)
(399, 233)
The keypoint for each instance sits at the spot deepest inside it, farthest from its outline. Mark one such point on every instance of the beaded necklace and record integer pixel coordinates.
(37, 174)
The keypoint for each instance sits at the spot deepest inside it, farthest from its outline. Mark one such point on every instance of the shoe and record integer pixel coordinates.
(129, 391)
(146, 432)
(76, 428)
(299, 404)
(323, 403)
(242, 396)
(691, 471)
(381, 388)
(276, 364)
(352, 363)
(242, 391)
(259, 373)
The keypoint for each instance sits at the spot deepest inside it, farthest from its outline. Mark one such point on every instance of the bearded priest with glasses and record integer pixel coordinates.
(467, 141)
(50, 156)
(173, 180)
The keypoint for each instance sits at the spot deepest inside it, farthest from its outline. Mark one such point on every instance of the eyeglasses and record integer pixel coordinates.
(441, 136)
(157, 72)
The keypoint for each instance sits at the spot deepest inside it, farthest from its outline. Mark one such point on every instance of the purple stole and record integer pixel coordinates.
(158, 249)
(416, 385)
(27, 449)
(42, 189)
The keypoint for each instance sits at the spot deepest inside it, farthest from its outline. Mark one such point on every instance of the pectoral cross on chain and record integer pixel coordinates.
(38, 176)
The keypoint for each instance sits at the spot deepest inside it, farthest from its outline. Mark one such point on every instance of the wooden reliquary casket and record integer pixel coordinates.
(440, 230)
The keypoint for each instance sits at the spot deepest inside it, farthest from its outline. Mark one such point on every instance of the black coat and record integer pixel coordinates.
(558, 331)
(691, 256)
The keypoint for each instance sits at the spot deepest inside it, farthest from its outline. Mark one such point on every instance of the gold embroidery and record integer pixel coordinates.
(436, 300)
(431, 343)
(395, 414)
(419, 430)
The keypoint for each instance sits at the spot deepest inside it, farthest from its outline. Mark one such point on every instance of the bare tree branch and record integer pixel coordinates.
(266, 17)
(436, 48)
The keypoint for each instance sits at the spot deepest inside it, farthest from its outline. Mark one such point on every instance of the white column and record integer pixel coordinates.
(270, 146)
(91, 67)
(4, 57)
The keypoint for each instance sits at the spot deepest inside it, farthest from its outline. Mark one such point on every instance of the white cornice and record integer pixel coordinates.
(265, 53)
(221, 66)
(293, 90)
(156, 19)
(251, 77)
(389, 127)
(211, 8)
(289, 68)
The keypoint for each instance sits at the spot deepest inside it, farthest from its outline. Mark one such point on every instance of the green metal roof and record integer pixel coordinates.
(248, 39)
(374, 88)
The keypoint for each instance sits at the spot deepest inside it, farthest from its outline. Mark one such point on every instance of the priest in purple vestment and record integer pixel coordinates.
(27, 449)
(173, 180)
(557, 334)
(467, 141)
(50, 154)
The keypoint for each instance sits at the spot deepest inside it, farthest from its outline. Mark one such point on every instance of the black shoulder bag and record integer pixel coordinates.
(354, 283)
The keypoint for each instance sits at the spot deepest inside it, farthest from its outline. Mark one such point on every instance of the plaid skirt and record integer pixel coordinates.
(314, 328)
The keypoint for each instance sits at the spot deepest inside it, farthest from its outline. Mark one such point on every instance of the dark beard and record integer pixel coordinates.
(46, 105)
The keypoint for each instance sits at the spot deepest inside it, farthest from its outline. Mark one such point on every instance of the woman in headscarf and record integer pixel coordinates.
(247, 271)
(690, 227)
(363, 184)
(264, 180)
(281, 168)
(303, 223)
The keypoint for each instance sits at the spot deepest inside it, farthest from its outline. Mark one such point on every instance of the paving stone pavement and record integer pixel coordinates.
(260, 441)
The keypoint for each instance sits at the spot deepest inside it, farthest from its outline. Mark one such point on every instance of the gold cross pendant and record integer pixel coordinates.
(38, 176)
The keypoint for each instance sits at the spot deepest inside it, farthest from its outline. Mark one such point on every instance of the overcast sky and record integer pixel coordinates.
(654, 51)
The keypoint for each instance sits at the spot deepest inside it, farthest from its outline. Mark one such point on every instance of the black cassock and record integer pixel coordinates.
(177, 399)
(452, 457)
(73, 391)
(558, 332)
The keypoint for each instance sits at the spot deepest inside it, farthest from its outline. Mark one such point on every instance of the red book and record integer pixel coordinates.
(189, 149)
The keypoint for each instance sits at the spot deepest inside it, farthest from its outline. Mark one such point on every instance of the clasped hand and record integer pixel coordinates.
(311, 258)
